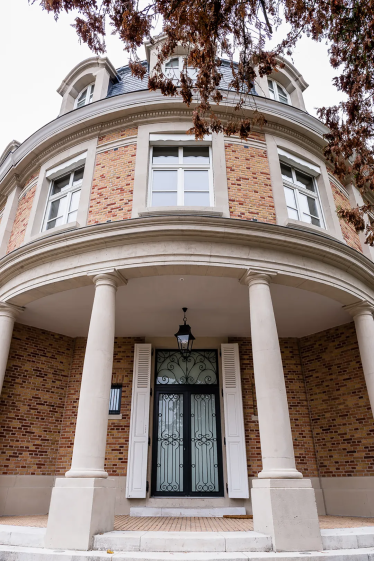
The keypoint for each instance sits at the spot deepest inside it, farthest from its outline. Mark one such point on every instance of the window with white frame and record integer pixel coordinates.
(278, 92)
(63, 199)
(85, 97)
(181, 176)
(302, 196)
(174, 67)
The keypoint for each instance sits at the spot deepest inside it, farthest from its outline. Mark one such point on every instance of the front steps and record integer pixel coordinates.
(186, 512)
(19, 543)
(183, 541)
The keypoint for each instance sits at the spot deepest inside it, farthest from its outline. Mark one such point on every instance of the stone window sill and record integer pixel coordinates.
(115, 417)
(309, 227)
(56, 230)
(181, 210)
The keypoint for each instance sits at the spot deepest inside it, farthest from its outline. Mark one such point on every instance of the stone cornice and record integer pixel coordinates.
(139, 107)
(305, 249)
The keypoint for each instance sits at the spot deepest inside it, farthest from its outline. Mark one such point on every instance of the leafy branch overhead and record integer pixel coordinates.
(209, 30)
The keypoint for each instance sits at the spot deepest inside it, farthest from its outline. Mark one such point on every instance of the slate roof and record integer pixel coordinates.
(128, 83)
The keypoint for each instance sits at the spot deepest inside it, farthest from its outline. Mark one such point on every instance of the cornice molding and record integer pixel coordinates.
(104, 115)
(274, 249)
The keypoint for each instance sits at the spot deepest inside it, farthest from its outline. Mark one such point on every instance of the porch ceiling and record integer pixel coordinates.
(218, 307)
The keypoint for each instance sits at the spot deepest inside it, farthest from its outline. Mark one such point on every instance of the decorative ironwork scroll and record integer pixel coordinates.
(200, 367)
(204, 454)
(170, 443)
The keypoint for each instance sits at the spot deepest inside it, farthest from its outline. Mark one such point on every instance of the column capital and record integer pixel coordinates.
(10, 310)
(257, 276)
(111, 277)
(359, 309)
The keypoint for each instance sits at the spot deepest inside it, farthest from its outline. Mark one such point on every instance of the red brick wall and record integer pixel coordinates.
(119, 429)
(22, 216)
(349, 233)
(297, 402)
(248, 182)
(342, 419)
(32, 401)
(113, 181)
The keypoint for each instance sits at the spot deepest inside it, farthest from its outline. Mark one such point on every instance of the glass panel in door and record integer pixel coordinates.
(169, 465)
(204, 453)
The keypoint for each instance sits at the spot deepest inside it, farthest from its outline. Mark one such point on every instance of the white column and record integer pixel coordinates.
(283, 502)
(278, 458)
(82, 503)
(362, 314)
(8, 315)
(92, 420)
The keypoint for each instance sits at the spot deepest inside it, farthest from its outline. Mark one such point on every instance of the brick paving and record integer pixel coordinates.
(179, 524)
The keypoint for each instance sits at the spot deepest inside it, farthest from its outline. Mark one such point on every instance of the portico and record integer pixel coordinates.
(115, 302)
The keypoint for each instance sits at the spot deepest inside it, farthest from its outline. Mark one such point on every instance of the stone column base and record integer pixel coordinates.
(286, 510)
(80, 508)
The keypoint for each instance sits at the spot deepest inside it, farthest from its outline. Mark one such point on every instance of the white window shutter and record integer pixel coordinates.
(234, 423)
(136, 483)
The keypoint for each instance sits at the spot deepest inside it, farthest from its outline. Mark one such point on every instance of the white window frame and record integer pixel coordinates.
(89, 95)
(180, 167)
(276, 93)
(69, 193)
(299, 188)
(190, 70)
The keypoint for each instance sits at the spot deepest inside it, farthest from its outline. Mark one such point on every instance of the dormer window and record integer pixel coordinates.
(174, 67)
(277, 92)
(85, 97)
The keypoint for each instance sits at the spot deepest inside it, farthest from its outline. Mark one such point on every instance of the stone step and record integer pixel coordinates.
(182, 541)
(186, 512)
(13, 553)
(348, 538)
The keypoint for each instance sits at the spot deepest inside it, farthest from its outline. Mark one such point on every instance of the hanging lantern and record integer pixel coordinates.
(184, 336)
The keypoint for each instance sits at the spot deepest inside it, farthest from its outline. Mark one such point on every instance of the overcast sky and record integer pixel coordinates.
(40, 52)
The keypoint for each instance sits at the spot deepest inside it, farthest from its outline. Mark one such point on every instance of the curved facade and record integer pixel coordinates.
(113, 219)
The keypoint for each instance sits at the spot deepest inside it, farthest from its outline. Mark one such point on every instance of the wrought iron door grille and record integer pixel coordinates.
(187, 448)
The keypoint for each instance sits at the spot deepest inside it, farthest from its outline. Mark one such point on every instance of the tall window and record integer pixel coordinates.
(85, 97)
(63, 201)
(302, 197)
(277, 92)
(181, 176)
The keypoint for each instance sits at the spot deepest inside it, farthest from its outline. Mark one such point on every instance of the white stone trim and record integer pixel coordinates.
(128, 141)
(158, 245)
(332, 224)
(251, 142)
(27, 188)
(141, 181)
(338, 185)
(66, 159)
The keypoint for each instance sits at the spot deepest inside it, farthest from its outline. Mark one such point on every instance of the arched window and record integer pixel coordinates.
(278, 92)
(85, 97)
(174, 66)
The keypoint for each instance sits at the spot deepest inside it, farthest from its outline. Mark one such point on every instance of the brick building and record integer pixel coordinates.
(113, 219)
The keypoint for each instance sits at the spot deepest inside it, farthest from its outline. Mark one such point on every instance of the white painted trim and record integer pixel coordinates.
(128, 141)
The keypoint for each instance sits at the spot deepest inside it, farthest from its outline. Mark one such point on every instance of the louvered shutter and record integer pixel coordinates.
(234, 423)
(136, 483)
